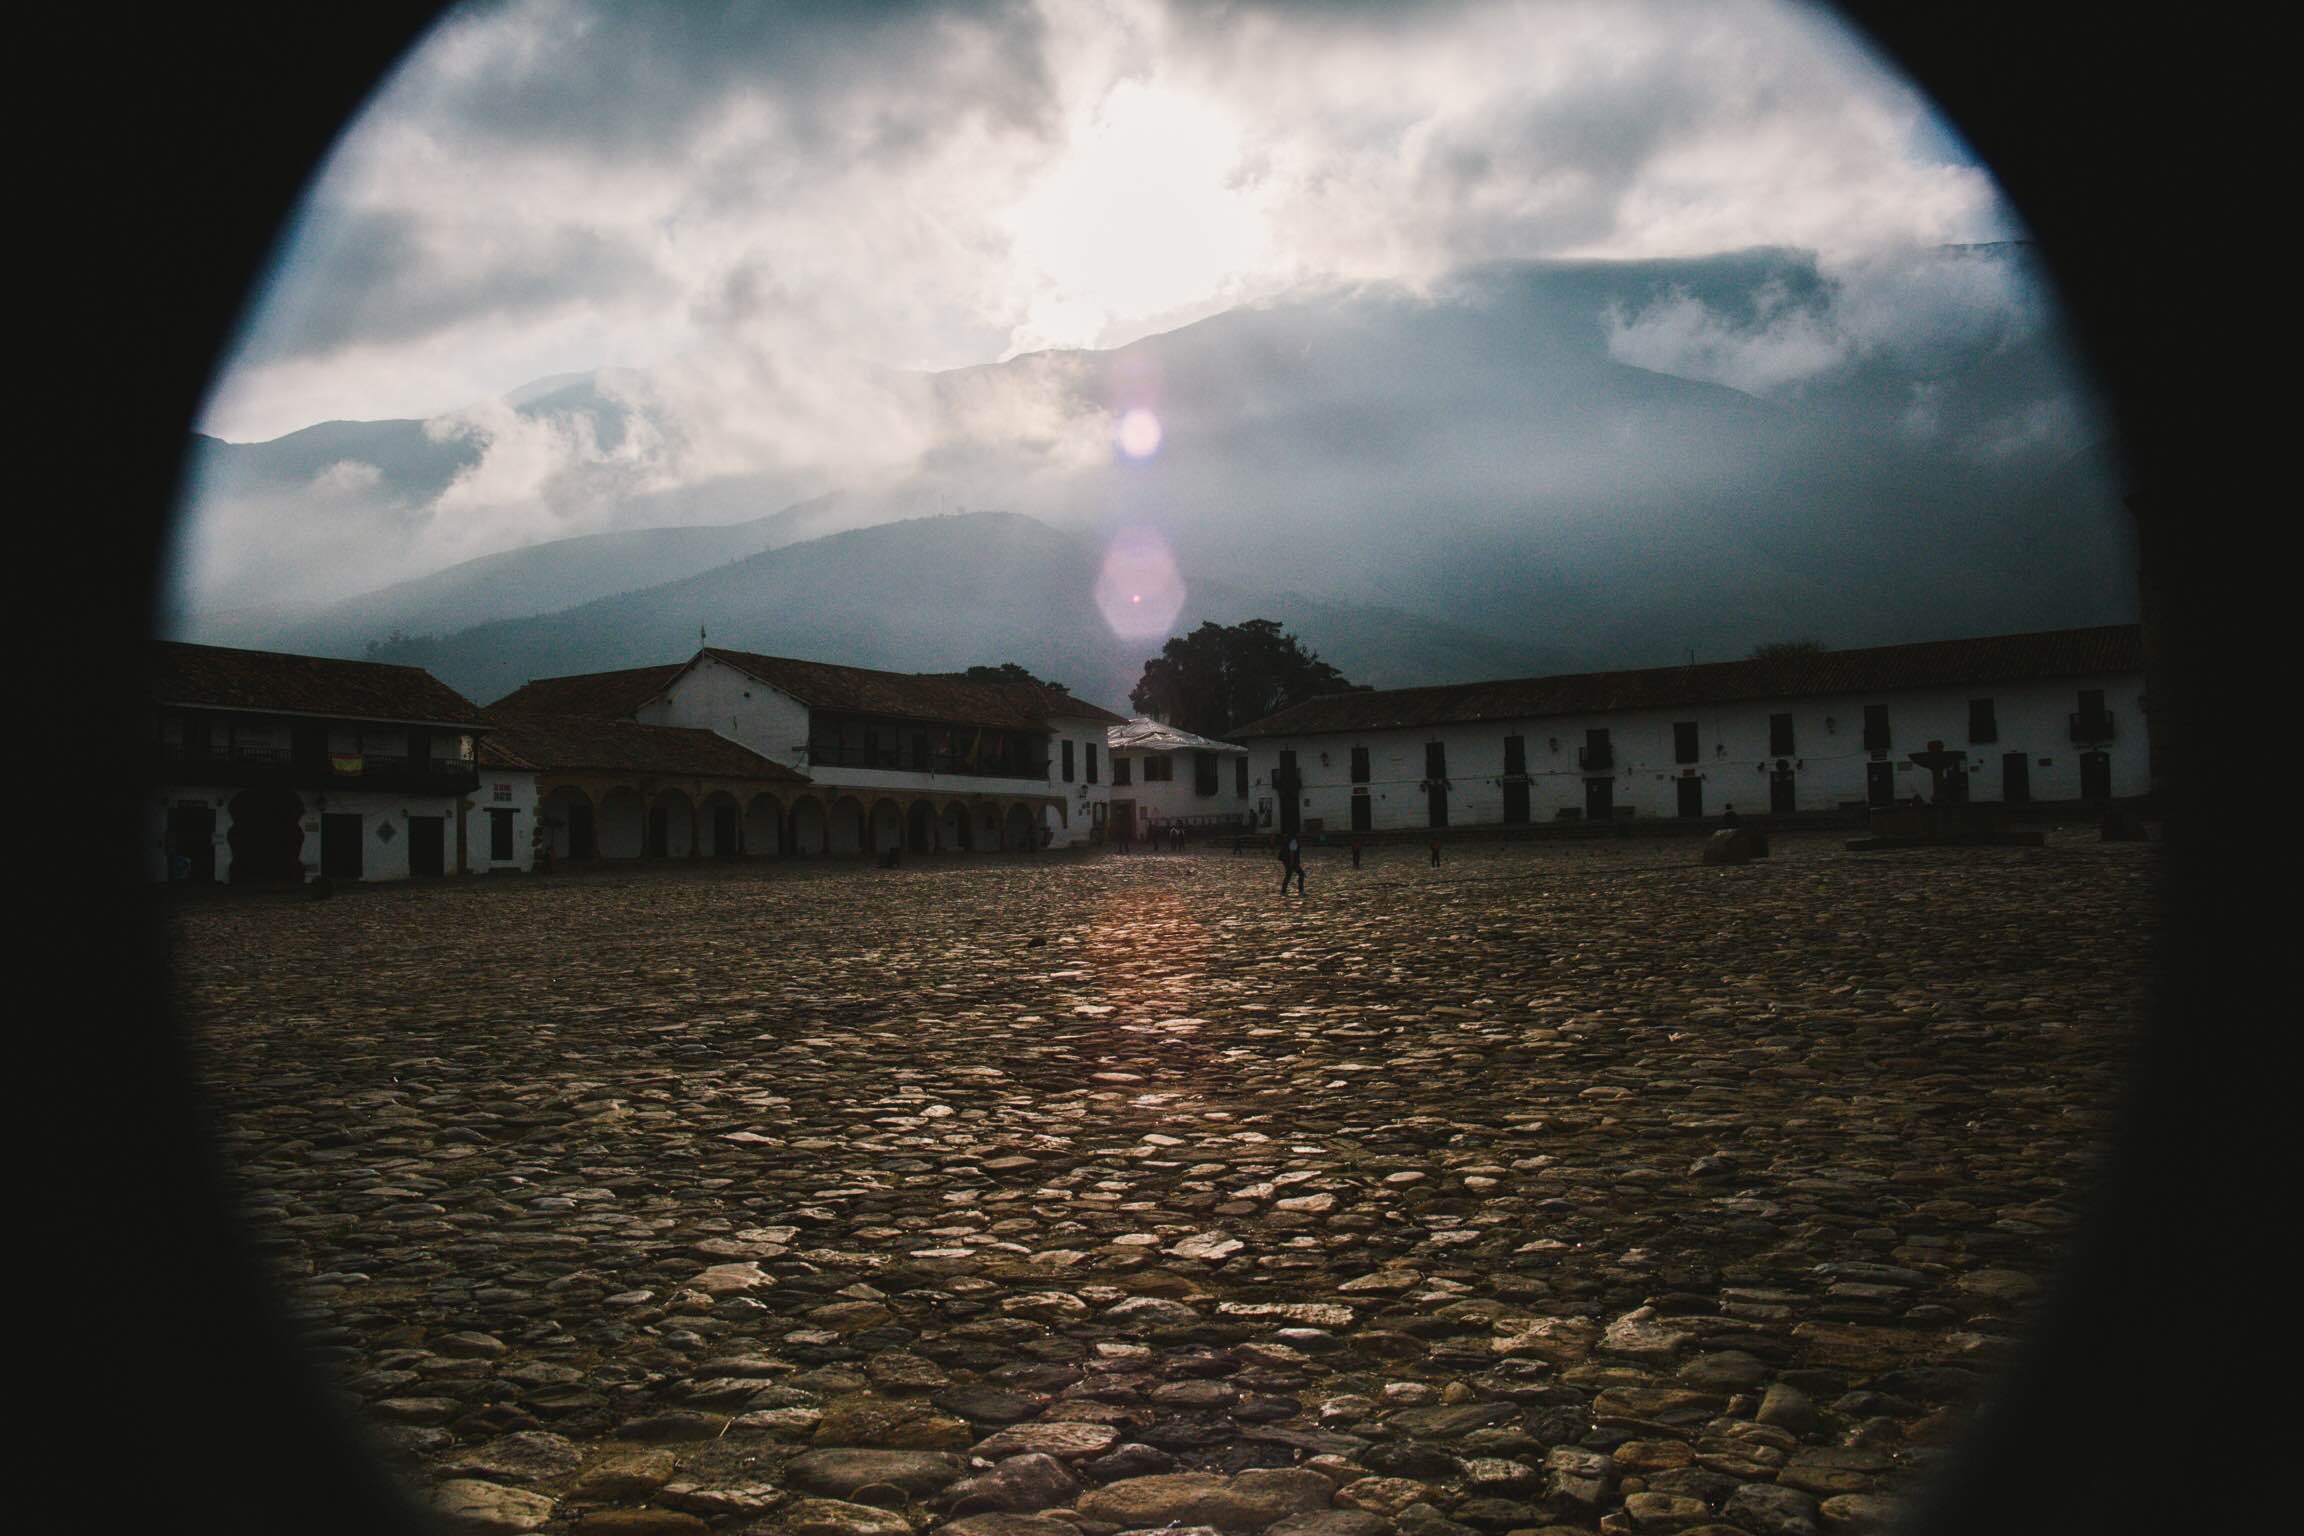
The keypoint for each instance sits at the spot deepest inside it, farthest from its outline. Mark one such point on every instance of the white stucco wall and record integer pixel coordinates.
(715, 696)
(501, 789)
(1157, 800)
(381, 858)
(1829, 760)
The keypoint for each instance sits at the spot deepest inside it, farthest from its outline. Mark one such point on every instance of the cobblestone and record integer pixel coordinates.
(1576, 1188)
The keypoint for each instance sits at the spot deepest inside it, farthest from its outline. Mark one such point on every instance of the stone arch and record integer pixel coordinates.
(920, 828)
(886, 826)
(764, 825)
(1019, 829)
(571, 823)
(845, 825)
(671, 825)
(720, 826)
(622, 823)
(266, 836)
(810, 828)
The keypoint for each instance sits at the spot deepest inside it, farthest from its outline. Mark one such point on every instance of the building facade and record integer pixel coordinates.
(2042, 718)
(271, 768)
(886, 760)
(1163, 777)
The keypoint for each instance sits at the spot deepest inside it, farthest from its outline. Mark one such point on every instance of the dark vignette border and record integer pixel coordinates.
(166, 1390)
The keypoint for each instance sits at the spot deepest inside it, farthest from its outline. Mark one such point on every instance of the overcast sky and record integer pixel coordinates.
(550, 186)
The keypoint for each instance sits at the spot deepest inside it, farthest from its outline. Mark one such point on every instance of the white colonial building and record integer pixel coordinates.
(1163, 777)
(2047, 717)
(879, 761)
(278, 768)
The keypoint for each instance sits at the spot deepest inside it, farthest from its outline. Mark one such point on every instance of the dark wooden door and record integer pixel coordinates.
(1691, 790)
(659, 831)
(427, 845)
(340, 846)
(582, 842)
(724, 832)
(1515, 801)
(1436, 783)
(1599, 799)
(2095, 775)
(500, 829)
(2015, 778)
(1363, 813)
(192, 842)
(1782, 800)
(1879, 783)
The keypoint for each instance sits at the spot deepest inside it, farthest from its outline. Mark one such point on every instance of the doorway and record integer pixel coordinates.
(192, 843)
(2015, 779)
(1691, 791)
(266, 836)
(428, 845)
(341, 850)
(1879, 784)
(2095, 775)
(1782, 796)
(1599, 799)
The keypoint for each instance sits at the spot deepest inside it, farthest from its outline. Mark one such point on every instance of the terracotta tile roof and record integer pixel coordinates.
(1144, 735)
(943, 697)
(553, 743)
(2112, 648)
(270, 682)
(603, 695)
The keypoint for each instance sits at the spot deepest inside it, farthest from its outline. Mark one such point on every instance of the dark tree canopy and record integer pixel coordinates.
(1224, 675)
(1008, 672)
(1779, 650)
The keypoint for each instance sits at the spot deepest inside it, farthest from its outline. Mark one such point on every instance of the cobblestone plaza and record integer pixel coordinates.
(1562, 1186)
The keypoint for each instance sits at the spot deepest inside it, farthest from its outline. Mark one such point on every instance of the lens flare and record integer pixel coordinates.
(1139, 591)
(1139, 433)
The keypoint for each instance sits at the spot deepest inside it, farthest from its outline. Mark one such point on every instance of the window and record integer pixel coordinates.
(1158, 770)
(1598, 753)
(1359, 765)
(1204, 773)
(1240, 776)
(503, 792)
(1685, 747)
(1982, 726)
(1780, 736)
(1876, 728)
(1123, 770)
(1090, 748)
(1067, 760)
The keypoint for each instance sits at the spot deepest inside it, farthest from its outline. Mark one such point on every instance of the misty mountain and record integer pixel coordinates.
(1614, 461)
(939, 594)
(542, 578)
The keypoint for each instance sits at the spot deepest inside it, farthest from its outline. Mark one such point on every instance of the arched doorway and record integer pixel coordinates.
(887, 826)
(809, 832)
(846, 830)
(569, 824)
(984, 826)
(720, 826)
(952, 830)
(266, 836)
(920, 828)
(671, 825)
(623, 818)
(764, 826)
(1021, 829)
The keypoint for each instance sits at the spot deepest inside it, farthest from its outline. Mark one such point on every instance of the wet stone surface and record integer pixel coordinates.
(1577, 1188)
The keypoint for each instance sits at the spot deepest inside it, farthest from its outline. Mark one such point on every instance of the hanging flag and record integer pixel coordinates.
(348, 764)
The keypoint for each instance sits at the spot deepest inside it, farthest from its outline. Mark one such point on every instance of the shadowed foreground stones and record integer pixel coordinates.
(1549, 1190)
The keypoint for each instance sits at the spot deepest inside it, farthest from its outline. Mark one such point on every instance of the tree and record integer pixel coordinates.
(1009, 672)
(1786, 650)
(1224, 675)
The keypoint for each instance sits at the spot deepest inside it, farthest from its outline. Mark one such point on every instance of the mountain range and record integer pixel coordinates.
(1533, 467)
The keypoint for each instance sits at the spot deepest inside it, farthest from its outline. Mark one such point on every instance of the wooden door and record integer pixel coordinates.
(1363, 812)
(1879, 784)
(1599, 799)
(1782, 798)
(341, 848)
(2095, 775)
(1691, 790)
(428, 846)
(2015, 779)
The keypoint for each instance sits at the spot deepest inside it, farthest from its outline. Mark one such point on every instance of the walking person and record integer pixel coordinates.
(1435, 853)
(1357, 844)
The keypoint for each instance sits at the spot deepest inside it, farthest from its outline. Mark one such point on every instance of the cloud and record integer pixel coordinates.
(777, 215)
